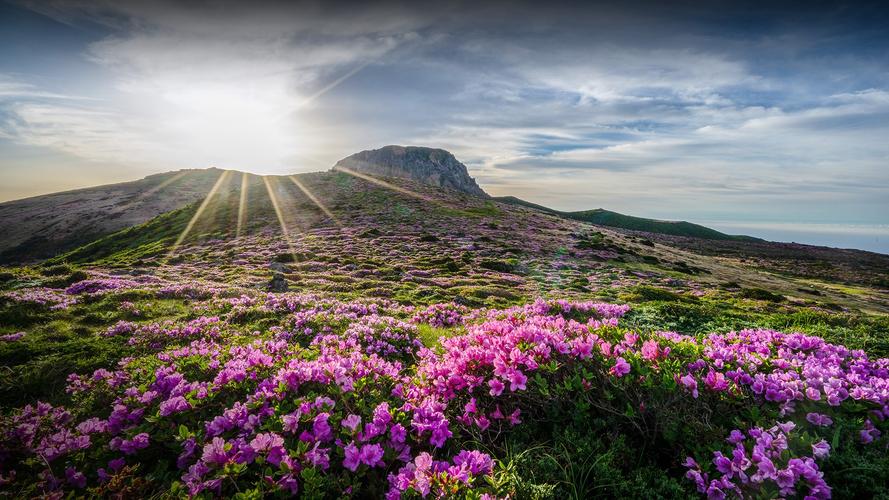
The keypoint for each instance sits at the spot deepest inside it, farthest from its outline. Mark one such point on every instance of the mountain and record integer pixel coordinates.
(42, 226)
(435, 167)
(608, 218)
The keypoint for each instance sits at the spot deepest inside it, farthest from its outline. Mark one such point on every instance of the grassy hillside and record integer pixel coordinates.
(564, 360)
(608, 218)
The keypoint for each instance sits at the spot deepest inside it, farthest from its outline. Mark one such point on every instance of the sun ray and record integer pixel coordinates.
(242, 204)
(382, 183)
(276, 205)
(332, 85)
(197, 215)
(314, 199)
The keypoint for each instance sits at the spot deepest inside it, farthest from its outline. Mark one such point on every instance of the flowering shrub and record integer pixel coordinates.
(765, 460)
(341, 399)
(46, 297)
(441, 315)
(91, 286)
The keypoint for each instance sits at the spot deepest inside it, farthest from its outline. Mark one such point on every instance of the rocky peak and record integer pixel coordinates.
(436, 167)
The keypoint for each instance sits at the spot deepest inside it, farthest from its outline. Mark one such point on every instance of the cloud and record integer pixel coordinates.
(653, 110)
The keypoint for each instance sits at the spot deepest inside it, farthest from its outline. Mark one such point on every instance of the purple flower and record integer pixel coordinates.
(821, 449)
(398, 433)
(131, 446)
(215, 452)
(785, 478)
(689, 382)
(351, 422)
(321, 428)
(173, 405)
(735, 437)
(75, 478)
(353, 457)
(819, 419)
(372, 455)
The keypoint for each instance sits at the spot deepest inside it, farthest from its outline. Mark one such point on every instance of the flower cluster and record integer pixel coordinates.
(764, 457)
(47, 297)
(441, 315)
(98, 285)
(341, 398)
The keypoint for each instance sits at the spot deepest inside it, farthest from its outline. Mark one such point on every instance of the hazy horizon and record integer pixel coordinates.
(688, 111)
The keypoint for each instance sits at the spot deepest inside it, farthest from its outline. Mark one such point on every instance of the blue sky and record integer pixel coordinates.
(692, 110)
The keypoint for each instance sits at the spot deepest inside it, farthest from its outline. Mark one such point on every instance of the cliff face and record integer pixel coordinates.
(436, 167)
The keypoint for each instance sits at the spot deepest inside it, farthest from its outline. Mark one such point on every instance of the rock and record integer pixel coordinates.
(279, 267)
(278, 283)
(435, 167)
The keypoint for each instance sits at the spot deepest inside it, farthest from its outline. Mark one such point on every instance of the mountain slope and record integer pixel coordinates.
(42, 226)
(418, 242)
(608, 218)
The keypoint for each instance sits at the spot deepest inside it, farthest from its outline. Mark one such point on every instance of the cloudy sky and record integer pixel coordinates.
(696, 110)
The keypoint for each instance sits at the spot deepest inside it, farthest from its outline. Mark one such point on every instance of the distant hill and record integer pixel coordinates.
(608, 218)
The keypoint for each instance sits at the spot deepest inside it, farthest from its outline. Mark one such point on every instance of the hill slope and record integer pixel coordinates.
(42, 226)
(478, 250)
(604, 217)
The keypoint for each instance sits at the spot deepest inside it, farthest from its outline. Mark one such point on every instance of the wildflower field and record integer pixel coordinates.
(425, 350)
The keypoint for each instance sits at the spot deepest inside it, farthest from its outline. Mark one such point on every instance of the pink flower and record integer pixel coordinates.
(650, 350)
(689, 382)
(496, 387)
(620, 368)
(517, 380)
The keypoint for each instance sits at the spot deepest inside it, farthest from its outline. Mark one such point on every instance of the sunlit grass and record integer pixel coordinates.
(242, 203)
(314, 199)
(279, 214)
(197, 215)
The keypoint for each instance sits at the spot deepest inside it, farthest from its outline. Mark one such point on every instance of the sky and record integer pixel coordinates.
(753, 112)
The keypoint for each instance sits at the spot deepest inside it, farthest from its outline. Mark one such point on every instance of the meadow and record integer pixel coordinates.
(431, 346)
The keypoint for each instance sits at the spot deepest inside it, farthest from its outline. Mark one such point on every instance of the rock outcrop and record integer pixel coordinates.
(435, 167)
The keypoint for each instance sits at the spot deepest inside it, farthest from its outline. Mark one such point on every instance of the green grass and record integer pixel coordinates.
(608, 218)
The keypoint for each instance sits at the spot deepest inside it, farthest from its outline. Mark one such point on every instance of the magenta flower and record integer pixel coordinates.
(372, 455)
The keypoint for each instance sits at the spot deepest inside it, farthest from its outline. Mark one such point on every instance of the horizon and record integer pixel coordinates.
(769, 116)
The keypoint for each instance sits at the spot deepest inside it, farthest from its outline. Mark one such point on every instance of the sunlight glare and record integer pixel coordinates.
(314, 199)
(280, 215)
(197, 215)
(242, 204)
